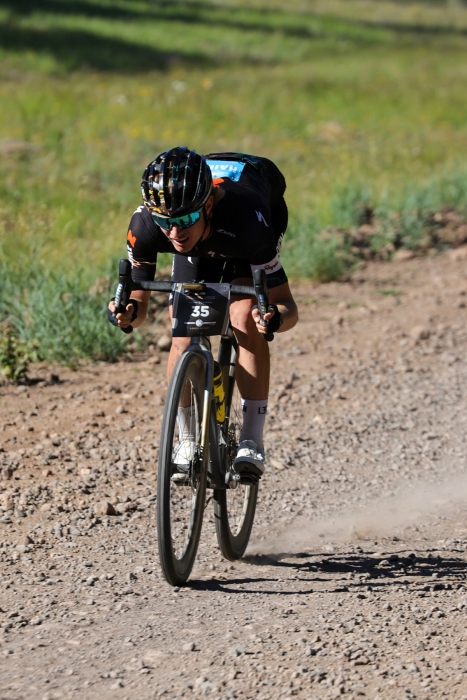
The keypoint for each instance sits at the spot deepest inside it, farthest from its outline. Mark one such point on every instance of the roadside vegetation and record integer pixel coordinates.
(361, 104)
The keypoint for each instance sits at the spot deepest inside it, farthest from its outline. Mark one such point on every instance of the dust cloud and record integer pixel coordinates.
(382, 518)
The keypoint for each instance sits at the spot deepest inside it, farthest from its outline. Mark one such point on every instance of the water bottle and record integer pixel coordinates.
(219, 393)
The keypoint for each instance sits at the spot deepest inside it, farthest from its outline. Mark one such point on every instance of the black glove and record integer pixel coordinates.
(276, 321)
(112, 316)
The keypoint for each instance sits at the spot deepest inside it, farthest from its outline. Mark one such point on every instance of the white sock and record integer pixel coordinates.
(254, 415)
(186, 423)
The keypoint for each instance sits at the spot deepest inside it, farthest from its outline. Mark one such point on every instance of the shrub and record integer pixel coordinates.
(15, 355)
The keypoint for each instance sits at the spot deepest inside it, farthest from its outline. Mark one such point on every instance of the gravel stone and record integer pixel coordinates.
(103, 508)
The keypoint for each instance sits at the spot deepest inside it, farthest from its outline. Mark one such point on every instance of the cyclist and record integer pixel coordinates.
(219, 228)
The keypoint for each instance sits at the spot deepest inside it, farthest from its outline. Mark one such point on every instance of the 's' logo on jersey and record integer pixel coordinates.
(131, 238)
(261, 218)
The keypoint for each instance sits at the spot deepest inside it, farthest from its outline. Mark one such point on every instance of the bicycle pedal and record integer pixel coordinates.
(183, 481)
(232, 479)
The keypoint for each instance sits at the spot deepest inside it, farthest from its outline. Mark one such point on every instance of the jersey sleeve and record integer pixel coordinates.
(275, 273)
(267, 257)
(142, 248)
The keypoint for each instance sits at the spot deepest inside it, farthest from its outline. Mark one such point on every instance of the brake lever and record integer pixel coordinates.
(261, 290)
(124, 289)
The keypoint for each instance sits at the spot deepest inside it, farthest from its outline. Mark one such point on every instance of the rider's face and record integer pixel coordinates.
(184, 239)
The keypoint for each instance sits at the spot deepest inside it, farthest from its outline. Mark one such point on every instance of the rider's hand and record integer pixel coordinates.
(124, 319)
(259, 323)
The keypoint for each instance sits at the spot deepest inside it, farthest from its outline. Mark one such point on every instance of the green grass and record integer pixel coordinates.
(360, 102)
(54, 317)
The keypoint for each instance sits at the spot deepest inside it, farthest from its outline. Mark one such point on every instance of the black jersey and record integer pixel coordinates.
(244, 226)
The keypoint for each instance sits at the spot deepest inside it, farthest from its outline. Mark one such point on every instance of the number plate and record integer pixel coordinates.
(201, 313)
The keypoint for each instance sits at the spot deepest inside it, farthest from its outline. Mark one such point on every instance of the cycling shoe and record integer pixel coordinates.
(182, 457)
(249, 460)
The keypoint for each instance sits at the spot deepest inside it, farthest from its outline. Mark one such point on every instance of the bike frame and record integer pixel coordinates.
(212, 457)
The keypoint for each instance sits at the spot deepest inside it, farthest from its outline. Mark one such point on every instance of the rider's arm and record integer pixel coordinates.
(124, 320)
(282, 297)
(144, 241)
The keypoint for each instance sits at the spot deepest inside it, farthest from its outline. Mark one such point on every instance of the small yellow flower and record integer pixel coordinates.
(206, 83)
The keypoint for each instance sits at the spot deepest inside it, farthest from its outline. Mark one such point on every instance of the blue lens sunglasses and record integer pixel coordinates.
(184, 221)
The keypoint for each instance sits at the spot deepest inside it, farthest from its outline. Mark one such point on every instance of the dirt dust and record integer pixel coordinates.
(384, 518)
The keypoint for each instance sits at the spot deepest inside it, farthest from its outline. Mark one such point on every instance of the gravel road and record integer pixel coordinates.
(355, 582)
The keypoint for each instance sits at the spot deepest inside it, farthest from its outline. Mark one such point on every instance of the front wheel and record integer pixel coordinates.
(234, 508)
(182, 473)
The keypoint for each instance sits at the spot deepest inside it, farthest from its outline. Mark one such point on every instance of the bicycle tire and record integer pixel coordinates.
(180, 506)
(234, 508)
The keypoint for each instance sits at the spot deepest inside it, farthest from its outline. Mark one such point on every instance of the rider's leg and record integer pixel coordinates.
(252, 371)
(185, 417)
(183, 270)
(179, 345)
(253, 365)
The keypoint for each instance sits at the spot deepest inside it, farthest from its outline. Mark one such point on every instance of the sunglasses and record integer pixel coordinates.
(184, 221)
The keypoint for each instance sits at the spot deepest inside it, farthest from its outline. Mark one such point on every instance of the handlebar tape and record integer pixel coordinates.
(259, 278)
(122, 295)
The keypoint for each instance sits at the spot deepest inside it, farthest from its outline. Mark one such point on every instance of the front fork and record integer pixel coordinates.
(227, 360)
(214, 437)
(211, 451)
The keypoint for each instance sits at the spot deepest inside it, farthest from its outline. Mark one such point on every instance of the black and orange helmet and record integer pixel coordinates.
(177, 182)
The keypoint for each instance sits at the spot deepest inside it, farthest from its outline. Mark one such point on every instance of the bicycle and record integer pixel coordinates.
(200, 310)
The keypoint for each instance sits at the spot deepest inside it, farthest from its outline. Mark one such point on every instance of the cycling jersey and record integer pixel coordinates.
(245, 228)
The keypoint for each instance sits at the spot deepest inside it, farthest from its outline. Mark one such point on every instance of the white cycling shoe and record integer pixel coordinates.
(182, 455)
(249, 459)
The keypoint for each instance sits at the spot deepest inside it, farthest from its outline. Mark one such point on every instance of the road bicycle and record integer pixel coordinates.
(208, 390)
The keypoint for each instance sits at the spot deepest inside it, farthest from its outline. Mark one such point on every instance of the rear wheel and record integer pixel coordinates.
(181, 489)
(235, 507)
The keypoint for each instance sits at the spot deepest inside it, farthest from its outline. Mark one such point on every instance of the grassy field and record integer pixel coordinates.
(358, 102)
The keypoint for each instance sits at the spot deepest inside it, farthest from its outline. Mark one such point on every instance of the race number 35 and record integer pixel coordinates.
(200, 311)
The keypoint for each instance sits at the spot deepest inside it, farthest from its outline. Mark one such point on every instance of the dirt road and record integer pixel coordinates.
(355, 581)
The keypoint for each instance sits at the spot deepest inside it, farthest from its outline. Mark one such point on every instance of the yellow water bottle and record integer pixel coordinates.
(219, 393)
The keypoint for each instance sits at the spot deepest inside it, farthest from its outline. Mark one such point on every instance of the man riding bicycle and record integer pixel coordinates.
(223, 216)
